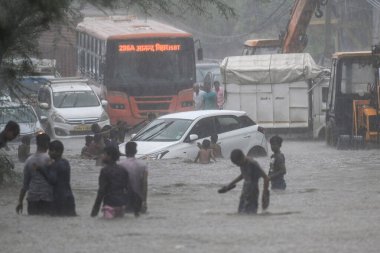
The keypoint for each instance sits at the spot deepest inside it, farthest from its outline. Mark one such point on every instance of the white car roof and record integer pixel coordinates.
(192, 115)
(59, 87)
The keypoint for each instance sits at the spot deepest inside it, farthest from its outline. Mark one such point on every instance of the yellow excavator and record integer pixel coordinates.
(352, 118)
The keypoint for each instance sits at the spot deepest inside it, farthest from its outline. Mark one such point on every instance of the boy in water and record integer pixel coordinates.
(113, 140)
(217, 150)
(58, 175)
(113, 186)
(85, 150)
(122, 128)
(205, 154)
(277, 164)
(23, 151)
(251, 172)
(40, 192)
(96, 147)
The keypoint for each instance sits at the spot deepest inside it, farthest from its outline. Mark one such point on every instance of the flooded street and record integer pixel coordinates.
(331, 204)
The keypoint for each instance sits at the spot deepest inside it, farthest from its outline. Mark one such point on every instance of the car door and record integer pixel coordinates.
(204, 128)
(230, 135)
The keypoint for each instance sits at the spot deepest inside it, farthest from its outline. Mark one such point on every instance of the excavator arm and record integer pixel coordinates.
(295, 38)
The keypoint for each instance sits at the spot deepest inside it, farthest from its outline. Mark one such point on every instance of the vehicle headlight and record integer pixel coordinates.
(104, 116)
(58, 118)
(39, 131)
(156, 156)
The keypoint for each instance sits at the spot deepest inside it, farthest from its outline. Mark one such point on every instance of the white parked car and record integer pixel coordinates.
(71, 107)
(176, 135)
(23, 114)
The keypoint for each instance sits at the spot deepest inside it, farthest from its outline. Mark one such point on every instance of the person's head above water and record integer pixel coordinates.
(110, 154)
(276, 140)
(130, 149)
(237, 157)
(275, 143)
(42, 141)
(206, 144)
(56, 149)
(11, 130)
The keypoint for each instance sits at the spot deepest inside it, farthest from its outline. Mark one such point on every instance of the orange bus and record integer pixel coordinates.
(142, 66)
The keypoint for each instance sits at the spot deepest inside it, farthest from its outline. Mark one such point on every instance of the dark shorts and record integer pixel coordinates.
(249, 199)
(133, 203)
(64, 207)
(39, 207)
(278, 184)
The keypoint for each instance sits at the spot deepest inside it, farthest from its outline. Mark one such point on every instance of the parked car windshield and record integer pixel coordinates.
(163, 130)
(70, 99)
(22, 114)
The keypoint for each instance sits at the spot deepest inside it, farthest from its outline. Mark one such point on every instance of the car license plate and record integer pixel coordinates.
(82, 128)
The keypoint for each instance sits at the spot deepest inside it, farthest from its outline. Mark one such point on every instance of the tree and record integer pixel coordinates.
(23, 21)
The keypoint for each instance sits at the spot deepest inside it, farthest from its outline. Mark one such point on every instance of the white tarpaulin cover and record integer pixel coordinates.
(267, 69)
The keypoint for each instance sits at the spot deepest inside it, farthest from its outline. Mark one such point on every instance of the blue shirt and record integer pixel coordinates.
(210, 100)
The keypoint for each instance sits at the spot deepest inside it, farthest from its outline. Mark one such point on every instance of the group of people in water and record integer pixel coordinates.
(123, 185)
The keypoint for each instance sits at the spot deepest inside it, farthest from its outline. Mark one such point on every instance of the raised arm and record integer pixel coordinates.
(212, 155)
(196, 158)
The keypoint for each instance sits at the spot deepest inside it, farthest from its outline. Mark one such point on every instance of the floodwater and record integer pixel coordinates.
(331, 204)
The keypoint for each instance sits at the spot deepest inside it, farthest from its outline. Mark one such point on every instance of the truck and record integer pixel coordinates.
(352, 117)
(281, 92)
(294, 39)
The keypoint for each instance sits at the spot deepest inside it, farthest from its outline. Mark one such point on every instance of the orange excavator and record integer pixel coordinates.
(294, 40)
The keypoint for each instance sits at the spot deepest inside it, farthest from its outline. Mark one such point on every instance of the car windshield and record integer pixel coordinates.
(21, 114)
(164, 130)
(70, 99)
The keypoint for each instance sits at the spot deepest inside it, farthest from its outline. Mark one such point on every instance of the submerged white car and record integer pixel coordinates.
(23, 114)
(176, 135)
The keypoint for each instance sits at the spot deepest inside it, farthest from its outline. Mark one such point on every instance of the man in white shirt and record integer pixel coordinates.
(198, 97)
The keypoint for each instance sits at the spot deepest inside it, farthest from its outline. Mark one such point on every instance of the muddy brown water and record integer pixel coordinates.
(331, 204)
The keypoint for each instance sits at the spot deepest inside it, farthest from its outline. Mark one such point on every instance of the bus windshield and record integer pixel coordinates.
(150, 66)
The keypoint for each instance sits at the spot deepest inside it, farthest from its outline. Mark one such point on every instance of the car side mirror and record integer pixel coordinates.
(193, 137)
(44, 106)
(104, 103)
